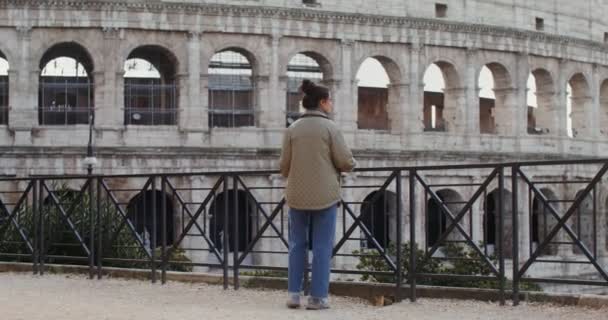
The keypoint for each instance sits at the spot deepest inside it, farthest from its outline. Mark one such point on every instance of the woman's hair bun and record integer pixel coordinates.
(307, 86)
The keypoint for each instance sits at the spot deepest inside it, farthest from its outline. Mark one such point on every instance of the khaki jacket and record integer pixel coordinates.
(313, 155)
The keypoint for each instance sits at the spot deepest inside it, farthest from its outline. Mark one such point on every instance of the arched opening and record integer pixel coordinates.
(150, 81)
(495, 99)
(436, 219)
(4, 66)
(491, 221)
(231, 89)
(541, 91)
(487, 101)
(140, 213)
(301, 66)
(244, 222)
(583, 222)
(379, 212)
(541, 222)
(579, 103)
(442, 97)
(604, 108)
(375, 93)
(434, 84)
(66, 87)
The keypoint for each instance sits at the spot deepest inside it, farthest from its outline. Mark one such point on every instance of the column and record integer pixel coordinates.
(275, 110)
(559, 109)
(397, 109)
(470, 108)
(345, 105)
(191, 115)
(520, 126)
(593, 114)
(24, 91)
(414, 110)
(109, 112)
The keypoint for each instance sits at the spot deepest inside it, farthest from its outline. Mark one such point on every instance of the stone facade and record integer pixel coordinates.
(405, 36)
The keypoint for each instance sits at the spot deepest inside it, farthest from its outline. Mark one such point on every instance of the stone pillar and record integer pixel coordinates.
(184, 112)
(204, 99)
(24, 91)
(108, 111)
(581, 115)
(520, 126)
(263, 117)
(413, 114)
(191, 114)
(345, 105)
(560, 107)
(273, 112)
(593, 114)
(506, 112)
(397, 107)
(469, 124)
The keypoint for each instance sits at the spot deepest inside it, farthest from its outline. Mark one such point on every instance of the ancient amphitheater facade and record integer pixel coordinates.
(222, 88)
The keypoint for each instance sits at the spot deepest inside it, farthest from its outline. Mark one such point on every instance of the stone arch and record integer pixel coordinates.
(139, 212)
(326, 66)
(542, 116)
(604, 108)
(4, 89)
(66, 99)
(151, 86)
(253, 56)
(303, 65)
(494, 112)
(436, 219)
(580, 104)
(244, 222)
(444, 105)
(541, 221)
(379, 213)
(378, 107)
(232, 88)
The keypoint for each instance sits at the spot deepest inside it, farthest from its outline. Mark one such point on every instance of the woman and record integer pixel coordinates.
(313, 155)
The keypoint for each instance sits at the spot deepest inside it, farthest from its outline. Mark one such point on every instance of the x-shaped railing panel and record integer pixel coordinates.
(455, 219)
(562, 222)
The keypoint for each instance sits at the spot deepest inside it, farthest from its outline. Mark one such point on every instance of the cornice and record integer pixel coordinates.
(305, 14)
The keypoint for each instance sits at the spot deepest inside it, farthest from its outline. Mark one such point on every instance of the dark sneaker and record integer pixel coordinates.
(293, 301)
(317, 304)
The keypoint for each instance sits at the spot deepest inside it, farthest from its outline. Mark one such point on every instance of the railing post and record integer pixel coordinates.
(92, 228)
(41, 243)
(225, 242)
(99, 230)
(412, 268)
(501, 218)
(154, 222)
(399, 236)
(515, 209)
(35, 222)
(235, 236)
(163, 204)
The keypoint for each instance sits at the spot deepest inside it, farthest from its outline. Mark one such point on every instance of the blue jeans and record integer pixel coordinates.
(323, 224)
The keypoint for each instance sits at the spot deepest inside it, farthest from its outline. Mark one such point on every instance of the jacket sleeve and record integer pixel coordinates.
(341, 155)
(285, 160)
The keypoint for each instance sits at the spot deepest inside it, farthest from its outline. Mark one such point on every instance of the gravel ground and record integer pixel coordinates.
(73, 297)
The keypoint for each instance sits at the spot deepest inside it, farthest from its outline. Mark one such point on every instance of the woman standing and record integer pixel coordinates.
(313, 156)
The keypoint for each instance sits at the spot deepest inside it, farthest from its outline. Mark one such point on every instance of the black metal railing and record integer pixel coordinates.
(452, 225)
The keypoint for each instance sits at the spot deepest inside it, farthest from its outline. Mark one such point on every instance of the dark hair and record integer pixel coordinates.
(313, 94)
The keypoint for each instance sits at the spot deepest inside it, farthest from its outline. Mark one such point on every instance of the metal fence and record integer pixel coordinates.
(404, 225)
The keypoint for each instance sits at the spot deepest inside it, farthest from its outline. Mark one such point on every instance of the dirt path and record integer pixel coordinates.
(72, 297)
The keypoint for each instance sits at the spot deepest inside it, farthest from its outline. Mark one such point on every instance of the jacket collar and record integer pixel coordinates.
(315, 113)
